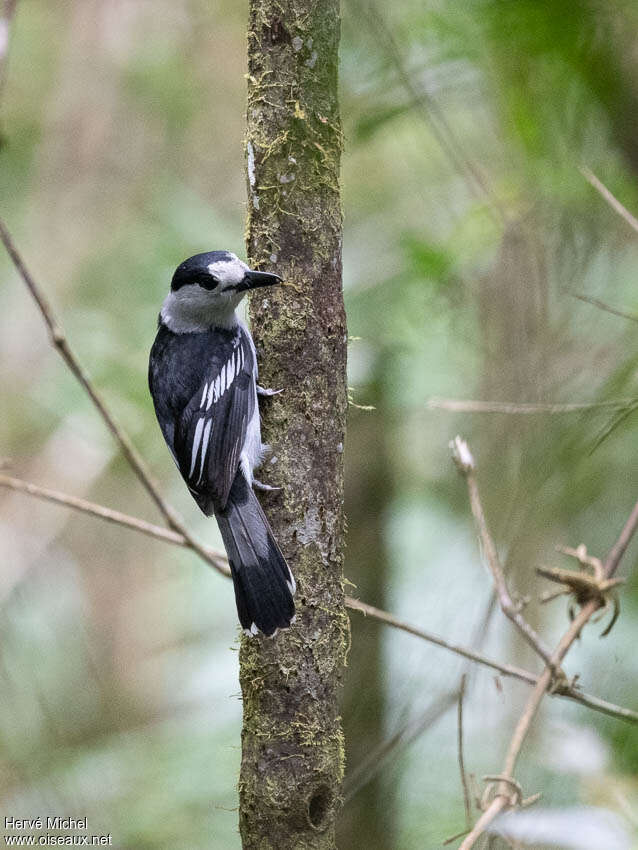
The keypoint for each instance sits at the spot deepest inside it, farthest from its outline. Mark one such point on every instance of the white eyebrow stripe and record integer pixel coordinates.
(229, 270)
(197, 439)
(201, 404)
(204, 448)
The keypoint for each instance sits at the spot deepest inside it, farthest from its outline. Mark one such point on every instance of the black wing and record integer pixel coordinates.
(210, 408)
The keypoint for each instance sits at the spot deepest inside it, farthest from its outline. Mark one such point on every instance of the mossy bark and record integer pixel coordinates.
(292, 743)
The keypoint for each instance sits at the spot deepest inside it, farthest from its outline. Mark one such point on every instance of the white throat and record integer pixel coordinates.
(194, 310)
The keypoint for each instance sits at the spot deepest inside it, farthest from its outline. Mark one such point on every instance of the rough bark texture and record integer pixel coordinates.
(292, 743)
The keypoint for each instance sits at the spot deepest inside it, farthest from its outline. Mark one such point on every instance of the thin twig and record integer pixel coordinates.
(611, 199)
(215, 558)
(596, 302)
(455, 837)
(617, 419)
(409, 732)
(619, 548)
(430, 637)
(466, 792)
(543, 684)
(466, 466)
(432, 114)
(596, 703)
(218, 560)
(375, 760)
(503, 799)
(522, 408)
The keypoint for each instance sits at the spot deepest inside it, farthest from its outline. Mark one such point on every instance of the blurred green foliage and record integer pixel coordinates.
(468, 229)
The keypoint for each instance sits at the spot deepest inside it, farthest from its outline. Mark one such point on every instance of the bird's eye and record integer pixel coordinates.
(209, 282)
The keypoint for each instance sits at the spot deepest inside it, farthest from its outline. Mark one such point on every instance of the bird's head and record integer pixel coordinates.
(206, 288)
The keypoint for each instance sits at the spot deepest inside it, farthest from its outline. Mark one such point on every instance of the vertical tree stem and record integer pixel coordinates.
(369, 816)
(292, 743)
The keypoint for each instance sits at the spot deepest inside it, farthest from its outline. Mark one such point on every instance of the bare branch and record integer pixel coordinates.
(523, 408)
(430, 637)
(595, 703)
(503, 798)
(465, 464)
(619, 548)
(215, 558)
(596, 302)
(409, 732)
(611, 199)
(455, 837)
(466, 792)
(562, 688)
(218, 560)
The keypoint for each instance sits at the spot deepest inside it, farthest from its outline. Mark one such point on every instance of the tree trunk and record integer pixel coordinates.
(292, 743)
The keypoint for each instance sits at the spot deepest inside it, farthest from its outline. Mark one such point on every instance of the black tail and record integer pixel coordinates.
(264, 585)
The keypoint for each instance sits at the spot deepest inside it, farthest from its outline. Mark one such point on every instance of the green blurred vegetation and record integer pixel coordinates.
(469, 229)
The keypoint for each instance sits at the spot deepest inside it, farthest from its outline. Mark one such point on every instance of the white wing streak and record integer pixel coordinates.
(212, 390)
(204, 449)
(197, 439)
(223, 382)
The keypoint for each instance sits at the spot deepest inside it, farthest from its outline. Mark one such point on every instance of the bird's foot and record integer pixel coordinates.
(259, 485)
(266, 392)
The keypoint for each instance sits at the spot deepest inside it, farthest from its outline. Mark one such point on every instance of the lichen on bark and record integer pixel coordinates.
(292, 743)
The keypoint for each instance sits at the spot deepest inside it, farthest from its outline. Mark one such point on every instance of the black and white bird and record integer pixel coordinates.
(203, 380)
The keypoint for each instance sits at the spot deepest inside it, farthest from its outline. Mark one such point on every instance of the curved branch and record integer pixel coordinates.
(465, 464)
(215, 557)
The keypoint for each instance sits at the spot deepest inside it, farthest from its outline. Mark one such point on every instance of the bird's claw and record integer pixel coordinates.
(267, 392)
(259, 485)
